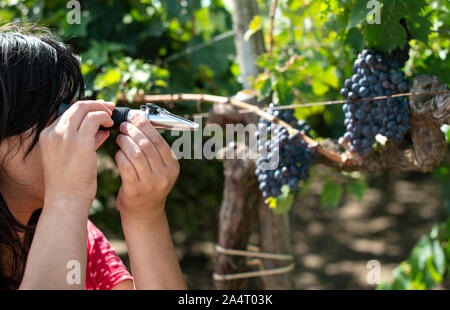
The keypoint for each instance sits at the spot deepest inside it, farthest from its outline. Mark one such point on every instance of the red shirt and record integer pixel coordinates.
(104, 269)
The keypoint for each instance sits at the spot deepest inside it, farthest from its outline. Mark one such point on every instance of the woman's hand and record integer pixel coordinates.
(68, 150)
(148, 169)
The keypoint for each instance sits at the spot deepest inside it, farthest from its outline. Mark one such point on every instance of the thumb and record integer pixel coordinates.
(100, 138)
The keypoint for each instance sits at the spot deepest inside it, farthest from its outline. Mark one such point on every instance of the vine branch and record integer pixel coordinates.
(424, 148)
(273, 11)
(335, 157)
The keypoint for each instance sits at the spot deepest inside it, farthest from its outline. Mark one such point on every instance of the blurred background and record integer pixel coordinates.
(134, 47)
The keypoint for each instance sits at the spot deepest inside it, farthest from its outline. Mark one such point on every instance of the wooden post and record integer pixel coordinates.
(248, 51)
(275, 237)
(237, 214)
(241, 195)
(242, 202)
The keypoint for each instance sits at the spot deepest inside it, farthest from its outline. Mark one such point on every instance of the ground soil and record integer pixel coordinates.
(333, 246)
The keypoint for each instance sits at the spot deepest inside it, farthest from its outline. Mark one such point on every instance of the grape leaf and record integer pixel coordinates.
(355, 39)
(438, 260)
(331, 195)
(358, 13)
(357, 189)
(254, 27)
(420, 28)
(401, 279)
(266, 87)
(418, 25)
(389, 34)
(283, 203)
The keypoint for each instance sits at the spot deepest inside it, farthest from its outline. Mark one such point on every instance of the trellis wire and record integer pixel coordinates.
(333, 102)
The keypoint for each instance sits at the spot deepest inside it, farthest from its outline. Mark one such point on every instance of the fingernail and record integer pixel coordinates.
(123, 126)
(134, 116)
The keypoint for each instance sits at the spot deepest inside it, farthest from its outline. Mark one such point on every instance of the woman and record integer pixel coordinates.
(48, 173)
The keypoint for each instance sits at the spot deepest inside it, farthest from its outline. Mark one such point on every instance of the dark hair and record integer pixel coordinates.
(37, 74)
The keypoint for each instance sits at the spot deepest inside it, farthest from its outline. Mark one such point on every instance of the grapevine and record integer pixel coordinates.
(376, 74)
(294, 155)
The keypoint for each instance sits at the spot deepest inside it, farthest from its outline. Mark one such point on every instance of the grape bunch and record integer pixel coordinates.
(294, 154)
(375, 75)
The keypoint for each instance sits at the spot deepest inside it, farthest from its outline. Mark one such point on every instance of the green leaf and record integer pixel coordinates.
(389, 34)
(438, 258)
(427, 263)
(265, 87)
(447, 251)
(420, 28)
(442, 174)
(254, 27)
(384, 286)
(446, 130)
(358, 189)
(359, 13)
(111, 77)
(402, 281)
(129, 94)
(319, 88)
(203, 21)
(435, 276)
(283, 90)
(420, 254)
(283, 203)
(331, 194)
(355, 39)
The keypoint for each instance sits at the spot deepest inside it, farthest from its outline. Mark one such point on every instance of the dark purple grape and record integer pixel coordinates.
(358, 63)
(352, 96)
(366, 71)
(403, 87)
(344, 92)
(367, 106)
(391, 101)
(348, 83)
(372, 79)
(386, 84)
(360, 114)
(397, 77)
(291, 151)
(383, 76)
(376, 74)
(371, 60)
(276, 192)
(356, 78)
(364, 82)
(363, 92)
(379, 90)
(348, 137)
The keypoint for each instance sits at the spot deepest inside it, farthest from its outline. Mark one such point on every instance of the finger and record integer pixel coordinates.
(135, 155)
(144, 143)
(100, 138)
(109, 105)
(75, 115)
(92, 122)
(153, 135)
(126, 169)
